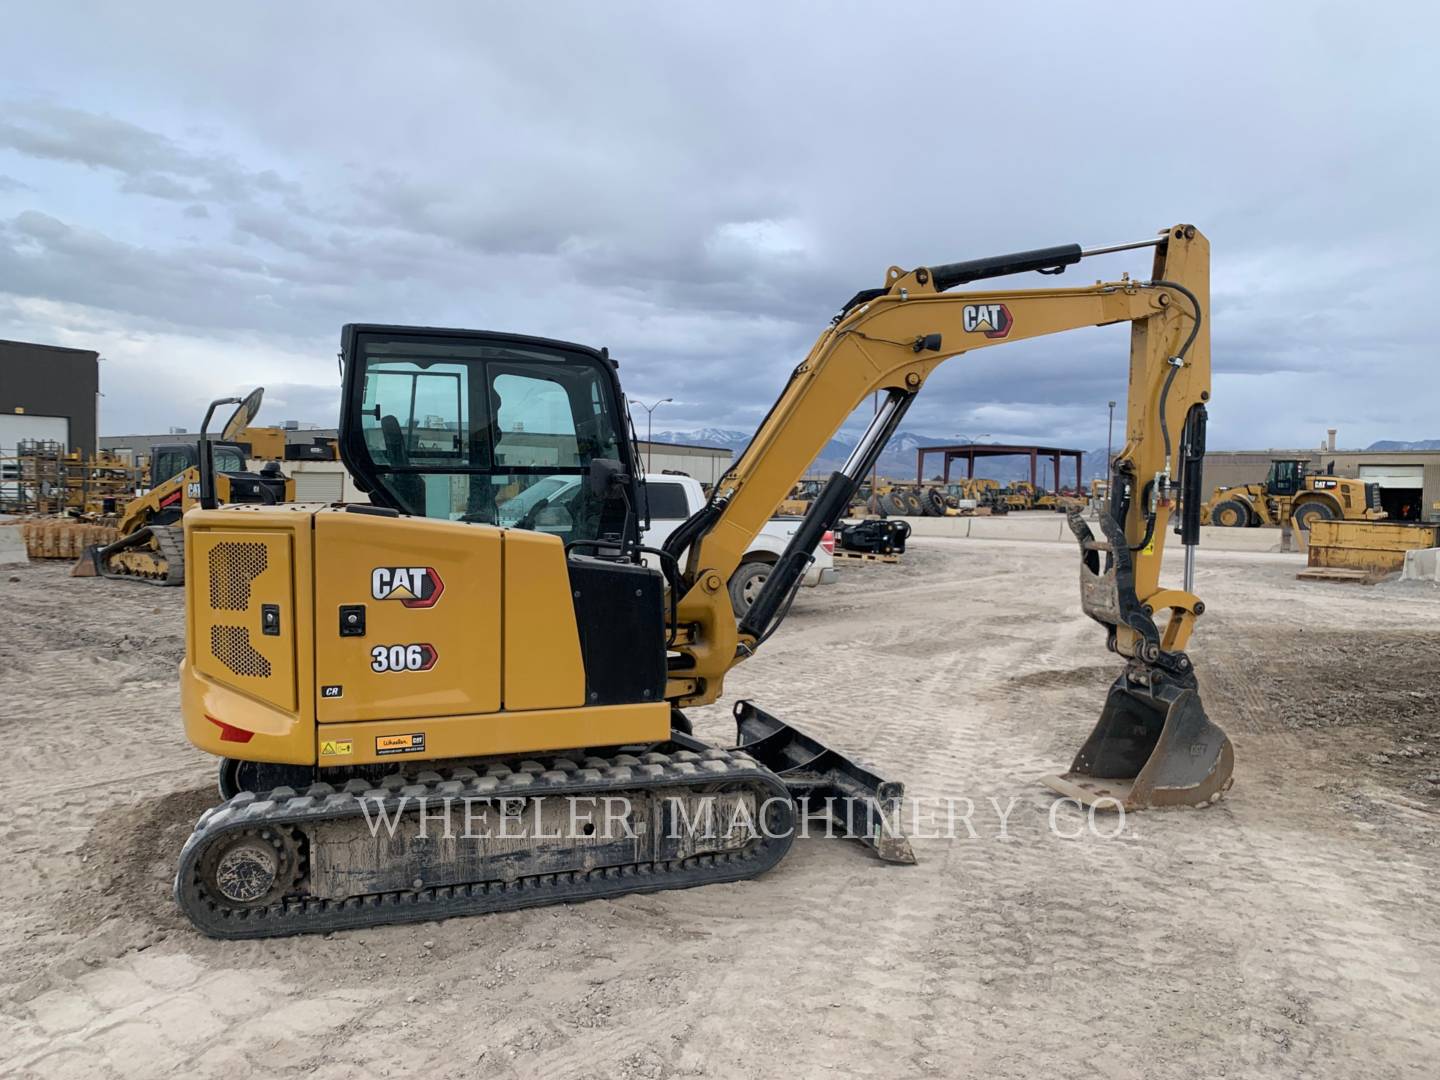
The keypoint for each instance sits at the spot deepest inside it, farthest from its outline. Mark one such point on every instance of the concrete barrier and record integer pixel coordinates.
(1049, 527)
(1222, 539)
(940, 526)
(12, 546)
(1423, 564)
(1046, 527)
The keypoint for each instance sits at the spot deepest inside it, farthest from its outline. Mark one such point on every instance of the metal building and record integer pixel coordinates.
(48, 393)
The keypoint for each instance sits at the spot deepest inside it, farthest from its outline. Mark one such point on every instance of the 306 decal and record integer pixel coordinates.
(389, 658)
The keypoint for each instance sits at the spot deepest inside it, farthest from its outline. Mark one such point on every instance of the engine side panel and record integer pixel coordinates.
(427, 595)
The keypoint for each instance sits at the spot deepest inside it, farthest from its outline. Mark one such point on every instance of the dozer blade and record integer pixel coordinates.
(820, 780)
(1153, 747)
(88, 564)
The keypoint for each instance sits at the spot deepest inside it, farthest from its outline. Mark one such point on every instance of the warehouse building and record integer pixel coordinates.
(48, 393)
(1409, 480)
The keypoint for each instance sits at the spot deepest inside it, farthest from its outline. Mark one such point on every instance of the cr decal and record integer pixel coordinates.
(419, 657)
(992, 320)
(413, 586)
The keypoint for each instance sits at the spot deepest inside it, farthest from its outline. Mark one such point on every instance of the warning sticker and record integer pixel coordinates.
(399, 744)
(337, 748)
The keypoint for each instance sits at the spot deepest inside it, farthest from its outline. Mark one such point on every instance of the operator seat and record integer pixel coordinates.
(407, 488)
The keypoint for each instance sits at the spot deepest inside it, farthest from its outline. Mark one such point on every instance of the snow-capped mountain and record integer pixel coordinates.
(1419, 444)
(710, 436)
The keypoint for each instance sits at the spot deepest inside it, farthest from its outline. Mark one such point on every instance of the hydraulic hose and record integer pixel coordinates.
(1180, 355)
(1177, 362)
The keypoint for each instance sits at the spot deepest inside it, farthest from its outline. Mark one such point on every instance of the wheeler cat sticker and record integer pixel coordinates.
(413, 743)
(413, 586)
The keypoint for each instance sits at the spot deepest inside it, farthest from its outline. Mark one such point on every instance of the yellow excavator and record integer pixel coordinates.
(391, 687)
(151, 544)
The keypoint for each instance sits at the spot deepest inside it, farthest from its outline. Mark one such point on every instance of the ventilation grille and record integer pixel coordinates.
(233, 566)
(231, 646)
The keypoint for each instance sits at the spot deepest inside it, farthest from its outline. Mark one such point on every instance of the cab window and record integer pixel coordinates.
(493, 432)
(667, 501)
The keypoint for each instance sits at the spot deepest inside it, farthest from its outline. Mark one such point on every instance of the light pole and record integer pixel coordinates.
(1109, 441)
(649, 426)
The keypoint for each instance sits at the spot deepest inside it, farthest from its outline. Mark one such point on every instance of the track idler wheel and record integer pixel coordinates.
(252, 869)
(1153, 746)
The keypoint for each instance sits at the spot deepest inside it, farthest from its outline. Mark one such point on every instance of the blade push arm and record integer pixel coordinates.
(891, 340)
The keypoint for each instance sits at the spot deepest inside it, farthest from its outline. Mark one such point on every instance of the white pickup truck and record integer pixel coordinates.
(673, 499)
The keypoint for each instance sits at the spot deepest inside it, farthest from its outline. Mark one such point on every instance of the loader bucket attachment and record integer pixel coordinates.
(821, 781)
(1153, 747)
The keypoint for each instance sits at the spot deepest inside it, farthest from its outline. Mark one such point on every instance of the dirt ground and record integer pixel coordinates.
(1291, 930)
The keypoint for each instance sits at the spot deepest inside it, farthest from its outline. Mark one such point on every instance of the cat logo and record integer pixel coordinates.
(992, 320)
(413, 586)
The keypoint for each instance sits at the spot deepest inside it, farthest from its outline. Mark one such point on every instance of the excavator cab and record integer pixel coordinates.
(491, 429)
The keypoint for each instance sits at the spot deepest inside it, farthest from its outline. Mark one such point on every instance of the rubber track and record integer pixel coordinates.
(284, 808)
(170, 546)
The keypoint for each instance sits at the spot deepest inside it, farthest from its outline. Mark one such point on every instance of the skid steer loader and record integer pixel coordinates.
(390, 686)
(151, 543)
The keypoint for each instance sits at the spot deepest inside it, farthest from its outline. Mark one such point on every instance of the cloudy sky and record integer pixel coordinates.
(205, 194)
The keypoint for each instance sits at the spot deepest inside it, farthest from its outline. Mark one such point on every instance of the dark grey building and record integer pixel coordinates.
(48, 392)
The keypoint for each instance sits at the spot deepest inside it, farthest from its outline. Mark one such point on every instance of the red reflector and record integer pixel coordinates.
(229, 733)
(828, 541)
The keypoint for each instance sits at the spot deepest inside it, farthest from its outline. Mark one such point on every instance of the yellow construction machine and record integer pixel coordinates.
(1292, 495)
(391, 687)
(151, 544)
(803, 495)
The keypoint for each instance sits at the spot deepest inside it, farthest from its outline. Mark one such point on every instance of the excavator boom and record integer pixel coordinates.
(890, 340)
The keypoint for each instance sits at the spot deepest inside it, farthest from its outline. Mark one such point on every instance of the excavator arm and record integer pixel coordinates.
(890, 340)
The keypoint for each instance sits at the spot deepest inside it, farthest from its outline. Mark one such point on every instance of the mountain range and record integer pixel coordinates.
(1391, 444)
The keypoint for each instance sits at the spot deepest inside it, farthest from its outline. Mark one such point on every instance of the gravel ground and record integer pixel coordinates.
(1290, 930)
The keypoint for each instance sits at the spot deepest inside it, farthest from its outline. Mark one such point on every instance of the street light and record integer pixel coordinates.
(977, 438)
(649, 426)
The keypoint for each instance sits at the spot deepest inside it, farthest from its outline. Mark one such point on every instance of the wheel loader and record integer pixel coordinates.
(151, 544)
(1291, 494)
(389, 688)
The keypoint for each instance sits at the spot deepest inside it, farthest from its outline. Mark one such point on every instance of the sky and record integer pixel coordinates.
(205, 195)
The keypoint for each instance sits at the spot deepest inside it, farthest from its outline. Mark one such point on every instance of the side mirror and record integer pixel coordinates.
(605, 476)
(244, 416)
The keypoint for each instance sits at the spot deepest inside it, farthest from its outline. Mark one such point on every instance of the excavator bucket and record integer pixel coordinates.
(823, 782)
(1153, 747)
